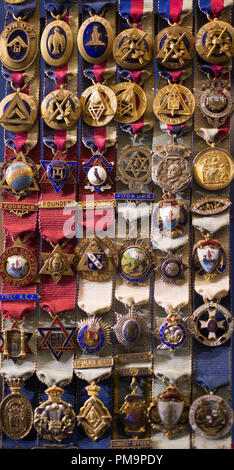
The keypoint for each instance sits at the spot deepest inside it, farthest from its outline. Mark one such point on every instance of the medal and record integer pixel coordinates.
(18, 112)
(133, 49)
(97, 170)
(211, 416)
(94, 417)
(18, 45)
(215, 42)
(211, 324)
(15, 342)
(174, 104)
(131, 102)
(133, 412)
(95, 39)
(57, 263)
(209, 258)
(93, 335)
(99, 105)
(135, 166)
(209, 205)
(57, 338)
(19, 176)
(171, 268)
(216, 103)
(173, 172)
(54, 419)
(58, 172)
(136, 261)
(213, 168)
(18, 265)
(16, 414)
(96, 259)
(57, 42)
(170, 217)
(174, 47)
(130, 329)
(60, 109)
(172, 332)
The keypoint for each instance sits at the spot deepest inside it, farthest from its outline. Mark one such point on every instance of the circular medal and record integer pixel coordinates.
(58, 172)
(16, 413)
(211, 324)
(171, 268)
(131, 102)
(133, 49)
(215, 42)
(56, 43)
(216, 105)
(95, 39)
(18, 45)
(19, 176)
(130, 329)
(174, 104)
(135, 166)
(174, 47)
(18, 265)
(93, 335)
(61, 109)
(211, 416)
(99, 105)
(136, 262)
(172, 333)
(173, 173)
(213, 168)
(18, 112)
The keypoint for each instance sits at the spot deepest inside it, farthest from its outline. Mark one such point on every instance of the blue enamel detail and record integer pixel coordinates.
(87, 349)
(97, 50)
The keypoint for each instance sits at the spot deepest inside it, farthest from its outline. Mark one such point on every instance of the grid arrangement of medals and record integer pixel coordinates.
(116, 316)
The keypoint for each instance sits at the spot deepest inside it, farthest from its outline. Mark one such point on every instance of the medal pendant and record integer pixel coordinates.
(99, 105)
(18, 265)
(173, 172)
(170, 217)
(171, 268)
(94, 417)
(174, 47)
(61, 109)
(57, 339)
(210, 205)
(18, 112)
(95, 39)
(168, 412)
(211, 416)
(57, 43)
(96, 259)
(215, 42)
(209, 258)
(211, 324)
(213, 168)
(19, 176)
(93, 335)
(54, 419)
(58, 172)
(133, 412)
(131, 102)
(133, 49)
(136, 261)
(174, 104)
(130, 329)
(18, 45)
(16, 414)
(172, 333)
(57, 264)
(15, 342)
(135, 167)
(98, 170)
(216, 104)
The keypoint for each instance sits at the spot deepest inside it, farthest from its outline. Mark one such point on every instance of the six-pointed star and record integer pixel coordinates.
(57, 263)
(137, 164)
(57, 338)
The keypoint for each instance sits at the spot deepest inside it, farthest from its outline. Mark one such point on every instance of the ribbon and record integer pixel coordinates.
(133, 10)
(211, 365)
(174, 10)
(22, 9)
(57, 8)
(214, 8)
(97, 8)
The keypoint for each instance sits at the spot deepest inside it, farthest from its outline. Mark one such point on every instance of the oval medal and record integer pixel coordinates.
(56, 43)
(133, 49)
(18, 112)
(18, 45)
(211, 416)
(60, 109)
(215, 42)
(213, 168)
(95, 39)
(18, 265)
(174, 47)
(16, 413)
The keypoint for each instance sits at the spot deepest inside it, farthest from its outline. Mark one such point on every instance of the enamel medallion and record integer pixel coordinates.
(133, 412)
(211, 324)
(211, 416)
(96, 259)
(170, 217)
(18, 45)
(56, 43)
(18, 265)
(136, 261)
(209, 258)
(19, 176)
(93, 335)
(95, 39)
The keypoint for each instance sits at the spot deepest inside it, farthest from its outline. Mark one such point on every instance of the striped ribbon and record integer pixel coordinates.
(174, 10)
(214, 8)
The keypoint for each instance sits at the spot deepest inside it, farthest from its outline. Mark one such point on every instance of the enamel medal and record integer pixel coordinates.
(18, 45)
(170, 216)
(18, 265)
(136, 261)
(133, 412)
(57, 42)
(209, 258)
(95, 39)
(211, 324)
(19, 176)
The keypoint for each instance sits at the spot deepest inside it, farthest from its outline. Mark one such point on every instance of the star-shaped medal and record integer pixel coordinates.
(57, 338)
(19, 176)
(57, 264)
(171, 268)
(58, 172)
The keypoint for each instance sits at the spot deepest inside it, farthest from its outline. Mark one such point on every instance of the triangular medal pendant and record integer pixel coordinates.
(126, 103)
(16, 112)
(174, 103)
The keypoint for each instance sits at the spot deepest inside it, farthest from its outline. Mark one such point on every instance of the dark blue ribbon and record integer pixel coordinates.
(57, 8)
(212, 365)
(96, 8)
(22, 9)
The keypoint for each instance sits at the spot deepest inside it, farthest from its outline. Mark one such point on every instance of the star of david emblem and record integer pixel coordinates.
(57, 338)
(57, 264)
(98, 106)
(126, 103)
(98, 161)
(58, 172)
(137, 164)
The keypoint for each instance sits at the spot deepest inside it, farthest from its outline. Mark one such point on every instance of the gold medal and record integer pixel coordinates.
(99, 105)
(19, 176)
(96, 259)
(174, 104)
(57, 264)
(215, 42)
(18, 112)
(213, 168)
(15, 342)
(135, 167)
(18, 45)
(133, 412)
(95, 39)
(131, 102)
(133, 49)
(16, 414)
(60, 109)
(174, 47)
(56, 43)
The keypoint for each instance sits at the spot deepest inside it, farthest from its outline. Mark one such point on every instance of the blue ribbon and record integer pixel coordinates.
(96, 8)
(164, 9)
(212, 365)
(22, 9)
(205, 6)
(58, 8)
